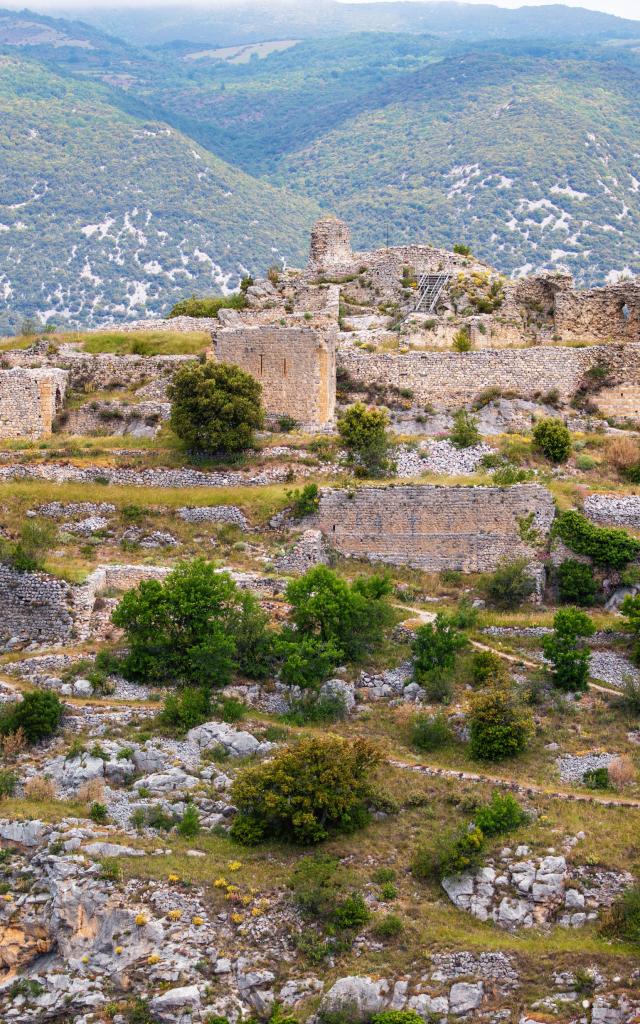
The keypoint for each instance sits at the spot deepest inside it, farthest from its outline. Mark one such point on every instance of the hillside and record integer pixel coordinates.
(227, 23)
(105, 214)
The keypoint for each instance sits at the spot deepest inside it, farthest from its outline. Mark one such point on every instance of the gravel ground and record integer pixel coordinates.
(612, 668)
(439, 457)
(573, 766)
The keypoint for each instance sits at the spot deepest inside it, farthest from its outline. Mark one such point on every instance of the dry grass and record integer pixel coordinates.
(91, 791)
(40, 790)
(623, 452)
(13, 744)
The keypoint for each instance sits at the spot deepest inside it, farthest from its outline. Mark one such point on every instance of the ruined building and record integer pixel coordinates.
(29, 401)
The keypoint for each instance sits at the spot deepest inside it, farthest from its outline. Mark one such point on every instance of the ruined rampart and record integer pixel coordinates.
(35, 606)
(451, 379)
(29, 400)
(433, 528)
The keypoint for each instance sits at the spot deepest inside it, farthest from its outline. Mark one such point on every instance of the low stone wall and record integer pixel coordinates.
(109, 418)
(433, 528)
(446, 379)
(35, 606)
(613, 509)
(103, 372)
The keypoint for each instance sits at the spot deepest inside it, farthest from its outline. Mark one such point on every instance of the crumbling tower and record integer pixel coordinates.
(330, 247)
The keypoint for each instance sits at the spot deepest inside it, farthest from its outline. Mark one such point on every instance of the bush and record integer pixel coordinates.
(576, 583)
(351, 912)
(486, 667)
(196, 627)
(499, 724)
(606, 545)
(553, 439)
(352, 616)
(35, 541)
(464, 433)
(508, 474)
(630, 608)
(98, 813)
(623, 453)
(435, 647)
(462, 340)
(306, 792)
(596, 778)
(388, 927)
(429, 732)
(8, 782)
(453, 853)
(306, 660)
(304, 502)
(510, 584)
(208, 307)
(565, 650)
(630, 699)
(317, 709)
(461, 250)
(501, 814)
(316, 883)
(364, 434)
(38, 715)
(189, 826)
(397, 1017)
(186, 709)
(215, 407)
(623, 919)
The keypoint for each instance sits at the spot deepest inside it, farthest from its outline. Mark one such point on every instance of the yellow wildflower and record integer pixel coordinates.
(118, 950)
(246, 900)
(256, 912)
(141, 920)
(7, 897)
(174, 878)
(220, 883)
(174, 915)
(197, 921)
(237, 918)
(153, 958)
(234, 865)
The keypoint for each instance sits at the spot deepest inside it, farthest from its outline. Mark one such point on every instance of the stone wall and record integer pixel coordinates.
(29, 400)
(450, 379)
(295, 365)
(103, 372)
(600, 314)
(433, 528)
(35, 606)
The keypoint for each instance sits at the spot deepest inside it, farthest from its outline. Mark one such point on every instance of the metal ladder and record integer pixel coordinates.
(430, 287)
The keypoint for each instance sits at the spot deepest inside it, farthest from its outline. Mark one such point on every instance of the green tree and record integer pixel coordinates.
(350, 616)
(364, 434)
(566, 650)
(436, 646)
(215, 407)
(306, 661)
(38, 714)
(500, 724)
(553, 439)
(195, 628)
(305, 792)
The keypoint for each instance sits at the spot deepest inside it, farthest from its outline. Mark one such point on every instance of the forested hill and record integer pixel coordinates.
(133, 176)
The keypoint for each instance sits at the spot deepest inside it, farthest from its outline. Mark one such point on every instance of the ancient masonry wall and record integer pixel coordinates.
(35, 606)
(295, 365)
(104, 372)
(433, 528)
(446, 379)
(29, 400)
(599, 314)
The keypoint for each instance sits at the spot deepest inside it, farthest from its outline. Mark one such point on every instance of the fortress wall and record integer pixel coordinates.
(29, 400)
(447, 379)
(431, 527)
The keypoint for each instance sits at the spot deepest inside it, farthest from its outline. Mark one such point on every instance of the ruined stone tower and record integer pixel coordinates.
(330, 247)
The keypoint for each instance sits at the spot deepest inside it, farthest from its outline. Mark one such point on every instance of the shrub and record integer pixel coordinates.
(606, 545)
(351, 912)
(596, 778)
(208, 307)
(304, 502)
(40, 789)
(189, 826)
(397, 1017)
(38, 715)
(623, 452)
(623, 919)
(364, 434)
(576, 583)
(630, 608)
(464, 433)
(453, 853)
(388, 927)
(566, 651)
(553, 439)
(306, 792)
(186, 709)
(461, 250)
(195, 627)
(486, 667)
(622, 772)
(510, 584)
(462, 340)
(507, 475)
(306, 660)
(316, 883)
(215, 407)
(630, 699)
(8, 782)
(317, 709)
(429, 732)
(436, 646)
(98, 813)
(35, 541)
(352, 616)
(501, 814)
(499, 724)
(91, 791)
(388, 892)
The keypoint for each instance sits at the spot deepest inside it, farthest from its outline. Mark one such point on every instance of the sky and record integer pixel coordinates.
(623, 8)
